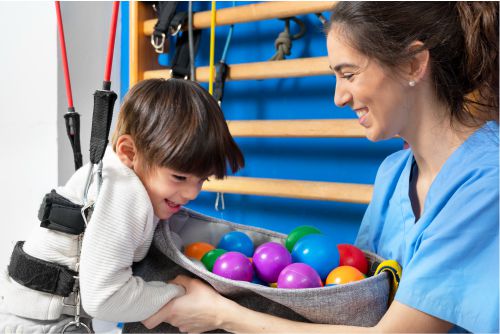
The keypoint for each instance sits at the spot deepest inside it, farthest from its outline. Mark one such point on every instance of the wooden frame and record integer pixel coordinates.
(143, 65)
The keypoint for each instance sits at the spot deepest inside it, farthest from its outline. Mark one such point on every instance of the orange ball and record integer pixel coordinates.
(196, 250)
(343, 275)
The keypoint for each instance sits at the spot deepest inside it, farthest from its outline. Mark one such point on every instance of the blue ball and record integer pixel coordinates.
(237, 242)
(318, 251)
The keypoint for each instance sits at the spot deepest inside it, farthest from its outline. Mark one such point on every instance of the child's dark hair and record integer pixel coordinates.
(177, 124)
(462, 39)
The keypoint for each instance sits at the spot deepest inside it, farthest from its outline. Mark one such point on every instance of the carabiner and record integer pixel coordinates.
(77, 324)
(158, 46)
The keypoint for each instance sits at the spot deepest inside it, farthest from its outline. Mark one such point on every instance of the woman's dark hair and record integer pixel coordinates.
(177, 124)
(462, 39)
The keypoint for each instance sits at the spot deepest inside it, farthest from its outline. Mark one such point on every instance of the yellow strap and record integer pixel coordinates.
(212, 49)
(395, 271)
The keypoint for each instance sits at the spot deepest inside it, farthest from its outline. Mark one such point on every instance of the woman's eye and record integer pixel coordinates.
(347, 76)
(179, 178)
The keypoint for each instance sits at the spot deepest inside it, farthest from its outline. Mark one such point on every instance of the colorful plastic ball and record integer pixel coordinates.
(298, 233)
(343, 275)
(269, 260)
(235, 266)
(196, 250)
(318, 251)
(210, 257)
(352, 256)
(257, 280)
(299, 276)
(236, 241)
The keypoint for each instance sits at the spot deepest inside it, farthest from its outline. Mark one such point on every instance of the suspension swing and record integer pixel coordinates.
(59, 213)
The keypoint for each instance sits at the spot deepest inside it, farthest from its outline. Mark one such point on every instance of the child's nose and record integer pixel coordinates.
(190, 192)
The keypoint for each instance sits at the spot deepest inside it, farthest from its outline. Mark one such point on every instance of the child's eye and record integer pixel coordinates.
(179, 177)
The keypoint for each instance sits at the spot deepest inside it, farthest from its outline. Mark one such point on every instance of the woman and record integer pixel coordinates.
(428, 72)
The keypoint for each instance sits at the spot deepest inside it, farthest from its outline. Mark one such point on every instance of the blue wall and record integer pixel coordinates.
(337, 160)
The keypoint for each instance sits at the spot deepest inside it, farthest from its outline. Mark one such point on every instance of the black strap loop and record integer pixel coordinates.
(40, 275)
(60, 214)
(104, 102)
(180, 62)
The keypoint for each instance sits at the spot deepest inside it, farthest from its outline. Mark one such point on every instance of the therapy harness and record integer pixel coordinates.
(57, 212)
(171, 22)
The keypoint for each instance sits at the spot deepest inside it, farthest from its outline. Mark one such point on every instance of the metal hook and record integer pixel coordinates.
(220, 197)
(158, 46)
(77, 324)
(176, 31)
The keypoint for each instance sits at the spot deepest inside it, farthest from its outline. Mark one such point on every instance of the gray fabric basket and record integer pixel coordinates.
(361, 303)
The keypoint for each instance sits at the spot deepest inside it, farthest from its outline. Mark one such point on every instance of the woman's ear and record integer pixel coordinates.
(126, 150)
(419, 63)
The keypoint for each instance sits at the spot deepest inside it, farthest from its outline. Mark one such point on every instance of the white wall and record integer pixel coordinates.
(86, 27)
(35, 152)
(28, 115)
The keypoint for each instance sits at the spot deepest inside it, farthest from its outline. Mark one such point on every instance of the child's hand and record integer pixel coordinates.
(197, 311)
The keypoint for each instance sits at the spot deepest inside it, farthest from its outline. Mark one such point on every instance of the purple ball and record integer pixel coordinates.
(269, 260)
(299, 276)
(235, 266)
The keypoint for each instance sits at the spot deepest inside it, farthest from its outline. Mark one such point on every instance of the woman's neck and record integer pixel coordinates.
(433, 138)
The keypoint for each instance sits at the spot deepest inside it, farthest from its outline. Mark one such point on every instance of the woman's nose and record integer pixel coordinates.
(341, 96)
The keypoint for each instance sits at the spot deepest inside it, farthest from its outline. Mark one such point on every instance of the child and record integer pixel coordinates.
(170, 136)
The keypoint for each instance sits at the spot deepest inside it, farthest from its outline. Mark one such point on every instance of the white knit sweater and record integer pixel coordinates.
(119, 233)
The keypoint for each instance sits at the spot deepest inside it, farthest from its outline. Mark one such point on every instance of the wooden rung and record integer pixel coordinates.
(301, 67)
(253, 12)
(326, 191)
(324, 128)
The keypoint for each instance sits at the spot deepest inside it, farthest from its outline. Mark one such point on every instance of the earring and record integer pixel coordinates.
(412, 83)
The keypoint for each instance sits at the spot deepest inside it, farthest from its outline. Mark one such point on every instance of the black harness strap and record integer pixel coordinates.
(72, 120)
(104, 101)
(60, 214)
(181, 62)
(166, 11)
(221, 72)
(39, 274)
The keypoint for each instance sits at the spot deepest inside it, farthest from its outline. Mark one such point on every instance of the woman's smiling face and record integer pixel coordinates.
(376, 96)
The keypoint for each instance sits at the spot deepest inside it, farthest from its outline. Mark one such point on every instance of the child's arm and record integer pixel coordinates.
(119, 233)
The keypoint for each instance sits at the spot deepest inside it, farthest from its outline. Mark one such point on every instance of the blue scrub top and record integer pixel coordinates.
(450, 256)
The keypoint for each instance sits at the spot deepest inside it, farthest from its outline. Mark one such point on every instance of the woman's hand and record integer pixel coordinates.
(199, 310)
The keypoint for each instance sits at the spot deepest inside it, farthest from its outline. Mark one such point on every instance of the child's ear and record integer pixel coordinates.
(126, 151)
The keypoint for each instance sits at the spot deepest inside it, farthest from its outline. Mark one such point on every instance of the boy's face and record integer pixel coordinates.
(168, 189)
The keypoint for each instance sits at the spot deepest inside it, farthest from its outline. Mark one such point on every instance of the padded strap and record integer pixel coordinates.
(40, 275)
(104, 101)
(60, 214)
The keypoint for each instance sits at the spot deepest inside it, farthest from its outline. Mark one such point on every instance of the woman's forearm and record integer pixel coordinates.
(238, 319)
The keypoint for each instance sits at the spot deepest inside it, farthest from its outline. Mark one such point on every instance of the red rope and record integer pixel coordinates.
(111, 42)
(69, 94)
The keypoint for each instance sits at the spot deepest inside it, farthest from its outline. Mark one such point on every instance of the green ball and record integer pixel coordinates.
(210, 257)
(297, 233)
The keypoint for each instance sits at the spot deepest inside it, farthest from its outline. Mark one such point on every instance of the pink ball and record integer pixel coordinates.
(269, 260)
(235, 266)
(299, 276)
